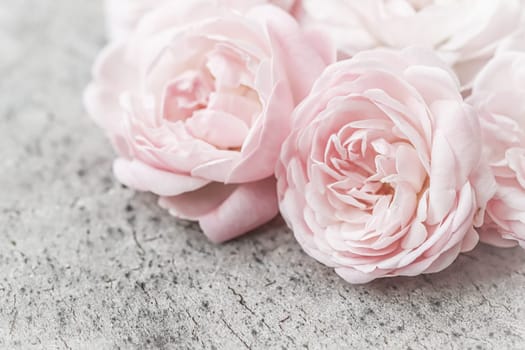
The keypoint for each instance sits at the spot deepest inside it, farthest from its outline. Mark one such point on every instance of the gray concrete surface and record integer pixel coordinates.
(85, 263)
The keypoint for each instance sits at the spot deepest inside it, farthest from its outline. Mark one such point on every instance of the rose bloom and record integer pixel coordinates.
(197, 103)
(380, 175)
(498, 93)
(465, 33)
(124, 15)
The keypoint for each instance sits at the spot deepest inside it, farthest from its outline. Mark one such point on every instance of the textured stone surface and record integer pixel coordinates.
(85, 263)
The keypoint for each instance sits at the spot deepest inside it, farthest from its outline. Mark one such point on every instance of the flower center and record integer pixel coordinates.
(368, 167)
(187, 94)
(386, 190)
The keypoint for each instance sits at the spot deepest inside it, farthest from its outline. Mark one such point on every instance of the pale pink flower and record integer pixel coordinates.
(123, 15)
(499, 95)
(380, 175)
(465, 33)
(197, 103)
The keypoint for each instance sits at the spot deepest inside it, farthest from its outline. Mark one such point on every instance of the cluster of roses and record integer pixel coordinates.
(390, 134)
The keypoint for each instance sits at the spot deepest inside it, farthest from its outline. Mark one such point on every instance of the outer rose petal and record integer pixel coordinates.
(489, 235)
(193, 205)
(142, 177)
(261, 149)
(227, 213)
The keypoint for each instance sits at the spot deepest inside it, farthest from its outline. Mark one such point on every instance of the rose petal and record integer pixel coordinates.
(248, 207)
(142, 177)
(195, 204)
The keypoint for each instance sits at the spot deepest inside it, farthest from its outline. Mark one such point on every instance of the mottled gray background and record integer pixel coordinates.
(85, 263)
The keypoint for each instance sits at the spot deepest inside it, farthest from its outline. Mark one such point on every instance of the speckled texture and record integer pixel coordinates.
(86, 263)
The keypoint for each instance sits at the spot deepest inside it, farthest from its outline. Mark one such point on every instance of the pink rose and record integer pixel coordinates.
(379, 176)
(124, 15)
(465, 33)
(197, 103)
(498, 94)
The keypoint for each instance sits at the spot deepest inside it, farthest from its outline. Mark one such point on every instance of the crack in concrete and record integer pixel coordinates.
(241, 300)
(235, 334)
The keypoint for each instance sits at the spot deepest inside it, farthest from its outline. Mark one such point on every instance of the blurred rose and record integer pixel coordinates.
(379, 176)
(499, 95)
(197, 103)
(465, 33)
(124, 15)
